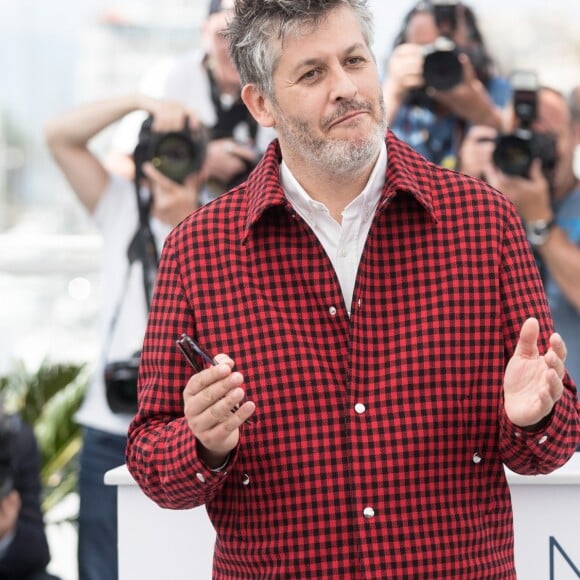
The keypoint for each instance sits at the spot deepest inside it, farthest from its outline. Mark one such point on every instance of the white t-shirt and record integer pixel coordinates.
(117, 219)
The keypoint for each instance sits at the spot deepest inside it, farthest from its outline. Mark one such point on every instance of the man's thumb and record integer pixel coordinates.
(527, 346)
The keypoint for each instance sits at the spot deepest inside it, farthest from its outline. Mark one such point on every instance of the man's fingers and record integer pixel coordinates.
(209, 388)
(221, 410)
(468, 70)
(207, 377)
(217, 424)
(558, 345)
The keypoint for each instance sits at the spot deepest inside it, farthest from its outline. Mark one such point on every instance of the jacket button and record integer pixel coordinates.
(369, 513)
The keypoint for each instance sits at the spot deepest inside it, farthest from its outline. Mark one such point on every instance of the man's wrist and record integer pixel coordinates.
(222, 466)
(537, 426)
(214, 462)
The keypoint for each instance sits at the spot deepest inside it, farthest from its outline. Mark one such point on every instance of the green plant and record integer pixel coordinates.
(48, 399)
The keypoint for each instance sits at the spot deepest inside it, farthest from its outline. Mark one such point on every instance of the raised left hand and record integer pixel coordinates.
(533, 382)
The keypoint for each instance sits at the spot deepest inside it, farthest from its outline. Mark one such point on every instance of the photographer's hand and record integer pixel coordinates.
(208, 399)
(531, 196)
(469, 100)
(172, 202)
(476, 151)
(404, 73)
(69, 133)
(9, 510)
(170, 115)
(226, 159)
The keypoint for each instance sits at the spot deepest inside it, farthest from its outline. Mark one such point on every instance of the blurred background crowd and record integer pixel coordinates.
(63, 53)
(60, 55)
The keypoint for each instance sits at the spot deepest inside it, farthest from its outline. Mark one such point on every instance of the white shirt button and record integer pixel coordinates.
(332, 311)
(245, 479)
(369, 513)
(476, 458)
(543, 440)
(360, 408)
(200, 477)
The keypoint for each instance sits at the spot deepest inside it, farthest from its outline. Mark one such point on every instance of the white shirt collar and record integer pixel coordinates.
(308, 207)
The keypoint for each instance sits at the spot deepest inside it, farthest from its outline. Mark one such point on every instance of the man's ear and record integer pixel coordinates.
(258, 105)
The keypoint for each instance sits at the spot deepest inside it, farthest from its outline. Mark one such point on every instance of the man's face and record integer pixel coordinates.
(422, 29)
(327, 106)
(216, 45)
(553, 118)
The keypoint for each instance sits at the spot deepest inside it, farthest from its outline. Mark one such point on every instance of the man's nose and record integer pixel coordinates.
(343, 85)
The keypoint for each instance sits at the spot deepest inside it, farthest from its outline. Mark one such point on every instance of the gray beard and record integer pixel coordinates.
(338, 156)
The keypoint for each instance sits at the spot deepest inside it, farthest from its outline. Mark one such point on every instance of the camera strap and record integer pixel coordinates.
(142, 248)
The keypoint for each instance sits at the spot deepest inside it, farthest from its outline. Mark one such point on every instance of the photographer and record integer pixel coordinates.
(575, 110)
(24, 552)
(548, 201)
(206, 81)
(133, 229)
(440, 79)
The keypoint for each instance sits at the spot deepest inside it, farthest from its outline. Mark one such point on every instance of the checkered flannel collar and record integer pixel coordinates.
(407, 173)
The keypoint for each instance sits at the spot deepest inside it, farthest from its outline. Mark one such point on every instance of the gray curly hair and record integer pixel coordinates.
(256, 22)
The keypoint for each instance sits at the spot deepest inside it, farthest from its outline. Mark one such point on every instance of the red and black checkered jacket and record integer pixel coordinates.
(378, 443)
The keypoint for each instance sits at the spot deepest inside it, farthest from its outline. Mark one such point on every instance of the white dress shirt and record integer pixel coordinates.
(343, 242)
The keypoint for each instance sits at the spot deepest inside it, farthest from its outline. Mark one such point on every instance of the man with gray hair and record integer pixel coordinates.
(390, 335)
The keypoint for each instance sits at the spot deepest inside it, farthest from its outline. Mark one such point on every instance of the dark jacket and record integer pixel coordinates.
(28, 554)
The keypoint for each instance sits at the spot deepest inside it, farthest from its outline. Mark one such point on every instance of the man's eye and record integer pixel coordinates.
(356, 60)
(310, 75)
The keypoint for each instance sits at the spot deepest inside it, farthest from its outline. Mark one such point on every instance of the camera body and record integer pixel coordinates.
(9, 427)
(121, 384)
(442, 69)
(515, 152)
(176, 154)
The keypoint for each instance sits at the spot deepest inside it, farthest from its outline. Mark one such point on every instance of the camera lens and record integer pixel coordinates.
(513, 155)
(175, 157)
(442, 70)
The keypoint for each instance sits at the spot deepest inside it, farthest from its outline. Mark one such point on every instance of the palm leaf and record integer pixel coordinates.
(48, 400)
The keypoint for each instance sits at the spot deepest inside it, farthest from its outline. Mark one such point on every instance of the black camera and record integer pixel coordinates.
(121, 384)
(442, 69)
(514, 153)
(9, 427)
(176, 154)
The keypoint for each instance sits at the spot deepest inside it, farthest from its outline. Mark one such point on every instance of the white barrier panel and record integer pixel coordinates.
(547, 523)
(157, 543)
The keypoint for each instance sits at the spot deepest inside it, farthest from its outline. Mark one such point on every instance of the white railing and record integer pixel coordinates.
(157, 543)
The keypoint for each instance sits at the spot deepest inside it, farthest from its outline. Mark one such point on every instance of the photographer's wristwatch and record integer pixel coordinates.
(538, 231)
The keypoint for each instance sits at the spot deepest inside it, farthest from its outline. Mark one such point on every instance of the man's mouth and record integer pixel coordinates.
(347, 117)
